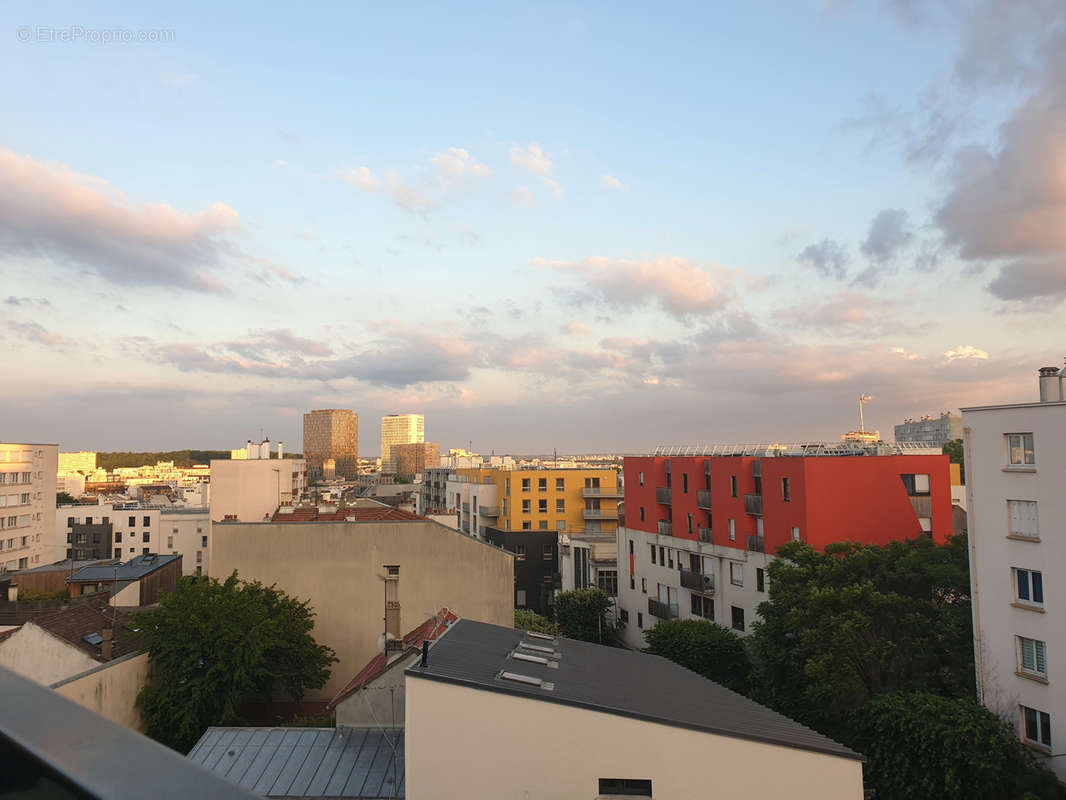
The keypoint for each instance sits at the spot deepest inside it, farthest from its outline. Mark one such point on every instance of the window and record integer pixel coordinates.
(132, 522)
(1023, 519)
(525, 506)
(542, 484)
(652, 553)
(644, 585)
(144, 552)
(1036, 726)
(118, 552)
(146, 537)
(732, 485)
(560, 484)
(170, 542)
(736, 574)
(690, 523)
(1020, 450)
(133, 534)
(525, 484)
(88, 520)
(526, 525)
(542, 506)
(642, 513)
(607, 580)
(738, 618)
(520, 552)
(549, 552)
(670, 555)
(70, 522)
(147, 521)
(633, 787)
(1032, 657)
(786, 489)
(760, 579)
(640, 620)
(662, 556)
(1029, 587)
(542, 525)
(560, 505)
(520, 597)
(684, 483)
(702, 607)
(203, 541)
(118, 537)
(623, 615)
(732, 530)
(795, 534)
(641, 478)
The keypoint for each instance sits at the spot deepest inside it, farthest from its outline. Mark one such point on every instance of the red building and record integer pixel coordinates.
(765, 498)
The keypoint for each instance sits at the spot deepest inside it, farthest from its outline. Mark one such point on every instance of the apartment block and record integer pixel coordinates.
(702, 526)
(27, 505)
(433, 496)
(83, 461)
(1015, 473)
(107, 531)
(252, 490)
(414, 458)
(397, 429)
(935, 431)
(332, 434)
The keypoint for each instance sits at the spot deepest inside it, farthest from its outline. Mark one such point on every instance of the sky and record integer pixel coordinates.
(593, 227)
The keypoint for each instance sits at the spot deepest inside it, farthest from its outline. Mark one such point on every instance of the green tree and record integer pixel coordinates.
(703, 647)
(923, 746)
(856, 621)
(525, 620)
(582, 614)
(953, 450)
(64, 499)
(213, 645)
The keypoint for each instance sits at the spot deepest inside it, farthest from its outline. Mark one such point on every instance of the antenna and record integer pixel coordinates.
(863, 399)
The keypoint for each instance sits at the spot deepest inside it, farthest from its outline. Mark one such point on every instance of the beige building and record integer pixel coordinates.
(28, 506)
(252, 490)
(544, 722)
(332, 433)
(414, 458)
(400, 429)
(1015, 474)
(83, 461)
(342, 568)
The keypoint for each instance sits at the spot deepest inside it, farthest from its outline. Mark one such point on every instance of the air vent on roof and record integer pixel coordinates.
(531, 659)
(545, 636)
(537, 648)
(526, 680)
(94, 639)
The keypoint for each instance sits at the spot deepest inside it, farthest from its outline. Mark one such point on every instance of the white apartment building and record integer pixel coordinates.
(251, 490)
(399, 429)
(27, 505)
(1016, 515)
(73, 483)
(475, 504)
(676, 578)
(83, 461)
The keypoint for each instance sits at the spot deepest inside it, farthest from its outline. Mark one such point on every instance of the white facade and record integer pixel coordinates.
(186, 531)
(476, 505)
(73, 483)
(399, 429)
(252, 490)
(28, 505)
(732, 583)
(1016, 517)
(589, 560)
(83, 461)
(34, 653)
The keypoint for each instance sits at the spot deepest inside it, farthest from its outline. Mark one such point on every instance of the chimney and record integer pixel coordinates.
(425, 653)
(1051, 389)
(105, 645)
(281, 449)
(249, 451)
(264, 449)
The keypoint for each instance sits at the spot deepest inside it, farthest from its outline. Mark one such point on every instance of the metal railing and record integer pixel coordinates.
(753, 504)
(703, 499)
(599, 513)
(663, 495)
(756, 544)
(662, 610)
(601, 491)
(772, 449)
(666, 528)
(705, 536)
(489, 511)
(466, 508)
(697, 581)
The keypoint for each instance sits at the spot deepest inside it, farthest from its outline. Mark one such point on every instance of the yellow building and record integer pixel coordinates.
(570, 500)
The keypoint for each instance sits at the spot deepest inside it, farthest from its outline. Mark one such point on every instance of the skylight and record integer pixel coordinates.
(538, 648)
(545, 636)
(94, 639)
(529, 658)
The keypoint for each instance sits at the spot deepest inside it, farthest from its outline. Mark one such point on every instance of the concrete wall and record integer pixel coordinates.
(38, 655)
(339, 567)
(250, 489)
(110, 689)
(185, 529)
(381, 702)
(583, 746)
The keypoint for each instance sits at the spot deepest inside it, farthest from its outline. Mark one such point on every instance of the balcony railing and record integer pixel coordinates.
(662, 610)
(466, 508)
(703, 499)
(753, 504)
(601, 491)
(697, 581)
(489, 511)
(599, 513)
(662, 495)
(756, 544)
(705, 536)
(666, 528)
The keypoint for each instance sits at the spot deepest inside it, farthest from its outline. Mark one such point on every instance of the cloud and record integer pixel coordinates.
(406, 196)
(1032, 279)
(889, 233)
(557, 189)
(965, 351)
(49, 211)
(178, 80)
(361, 178)
(923, 134)
(900, 351)
(828, 258)
(32, 332)
(677, 285)
(522, 196)
(11, 300)
(532, 158)
(575, 328)
(611, 182)
(456, 164)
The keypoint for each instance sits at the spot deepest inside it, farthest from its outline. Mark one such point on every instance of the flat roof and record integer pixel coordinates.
(132, 570)
(1003, 406)
(614, 681)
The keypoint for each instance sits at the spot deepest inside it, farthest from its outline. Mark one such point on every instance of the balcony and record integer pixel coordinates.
(662, 610)
(666, 528)
(756, 544)
(753, 504)
(756, 468)
(703, 500)
(598, 491)
(599, 513)
(466, 508)
(705, 536)
(489, 511)
(697, 581)
(662, 495)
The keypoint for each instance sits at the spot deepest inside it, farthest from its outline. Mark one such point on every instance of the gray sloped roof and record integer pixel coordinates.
(614, 681)
(132, 570)
(307, 762)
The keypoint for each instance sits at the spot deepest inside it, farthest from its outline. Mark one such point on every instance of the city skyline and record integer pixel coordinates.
(796, 216)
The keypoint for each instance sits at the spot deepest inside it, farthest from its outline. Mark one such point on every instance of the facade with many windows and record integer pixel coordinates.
(27, 505)
(1016, 472)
